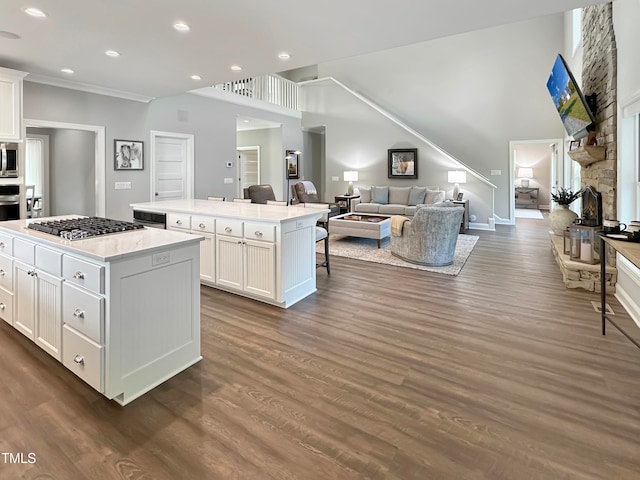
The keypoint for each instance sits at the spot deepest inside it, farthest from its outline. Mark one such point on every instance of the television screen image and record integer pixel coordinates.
(568, 99)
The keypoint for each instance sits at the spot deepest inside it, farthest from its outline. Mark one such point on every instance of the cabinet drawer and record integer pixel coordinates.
(88, 275)
(25, 251)
(83, 310)
(179, 220)
(6, 244)
(6, 273)
(259, 231)
(232, 228)
(49, 261)
(203, 224)
(82, 356)
(6, 306)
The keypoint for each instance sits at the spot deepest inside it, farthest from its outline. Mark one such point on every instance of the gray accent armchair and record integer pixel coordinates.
(259, 193)
(430, 237)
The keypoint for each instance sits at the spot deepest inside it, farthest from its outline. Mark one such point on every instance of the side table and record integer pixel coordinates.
(345, 202)
(464, 226)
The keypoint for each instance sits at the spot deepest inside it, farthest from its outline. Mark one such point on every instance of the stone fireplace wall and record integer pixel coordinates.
(599, 76)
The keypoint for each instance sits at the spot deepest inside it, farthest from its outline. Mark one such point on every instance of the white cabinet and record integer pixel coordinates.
(6, 289)
(11, 129)
(246, 264)
(206, 227)
(37, 310)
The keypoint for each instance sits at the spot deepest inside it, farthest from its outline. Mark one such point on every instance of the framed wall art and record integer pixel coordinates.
(403, 163)
(128, 154)
(292, 159)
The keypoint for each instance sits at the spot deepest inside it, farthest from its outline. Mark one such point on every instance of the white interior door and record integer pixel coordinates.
(37, 169)
(172, 165)
(248, 167)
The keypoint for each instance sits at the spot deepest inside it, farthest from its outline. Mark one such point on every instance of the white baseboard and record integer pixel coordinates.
(481, 226)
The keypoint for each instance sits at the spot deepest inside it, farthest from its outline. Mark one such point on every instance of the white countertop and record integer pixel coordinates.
(248, 211)
(105, 248)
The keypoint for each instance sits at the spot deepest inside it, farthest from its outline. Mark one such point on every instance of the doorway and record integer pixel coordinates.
(540, 159)
(172, 160)
(99, 156)
(36, 174)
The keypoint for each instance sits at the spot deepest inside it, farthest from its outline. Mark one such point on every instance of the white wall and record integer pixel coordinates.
(212, 122)
(470, 94)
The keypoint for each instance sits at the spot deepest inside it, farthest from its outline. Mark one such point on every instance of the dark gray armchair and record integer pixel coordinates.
(259, 193)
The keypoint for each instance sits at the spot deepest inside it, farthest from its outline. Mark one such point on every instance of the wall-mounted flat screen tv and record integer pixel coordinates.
(569, 101)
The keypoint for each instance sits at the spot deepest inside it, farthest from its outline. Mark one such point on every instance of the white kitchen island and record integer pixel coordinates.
(121, 311)
(263, 252)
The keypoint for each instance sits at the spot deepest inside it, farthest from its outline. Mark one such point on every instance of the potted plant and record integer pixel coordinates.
(561, 217)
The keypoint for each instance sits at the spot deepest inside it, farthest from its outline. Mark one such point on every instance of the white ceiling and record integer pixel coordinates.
(157, 61)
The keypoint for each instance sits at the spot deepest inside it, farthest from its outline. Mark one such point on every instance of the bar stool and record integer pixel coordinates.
(322, 234)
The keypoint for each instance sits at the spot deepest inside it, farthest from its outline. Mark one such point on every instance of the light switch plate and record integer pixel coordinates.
(123, 185)
(228, 180)
(496, 172)
(335, 179)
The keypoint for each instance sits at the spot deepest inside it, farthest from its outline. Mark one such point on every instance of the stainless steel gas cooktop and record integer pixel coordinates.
(83, 227)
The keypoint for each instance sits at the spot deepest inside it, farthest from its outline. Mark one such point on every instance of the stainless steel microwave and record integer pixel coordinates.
(8, 162)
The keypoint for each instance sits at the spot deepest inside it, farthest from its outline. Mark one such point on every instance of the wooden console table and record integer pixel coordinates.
(527, 197)
(629, 250)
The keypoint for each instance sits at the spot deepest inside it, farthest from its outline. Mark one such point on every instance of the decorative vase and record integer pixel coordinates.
(560, 218)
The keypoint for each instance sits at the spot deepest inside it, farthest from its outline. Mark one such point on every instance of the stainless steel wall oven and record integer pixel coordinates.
(9, 202)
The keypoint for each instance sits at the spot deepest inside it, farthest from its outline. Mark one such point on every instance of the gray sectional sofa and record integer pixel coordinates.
(388, 200)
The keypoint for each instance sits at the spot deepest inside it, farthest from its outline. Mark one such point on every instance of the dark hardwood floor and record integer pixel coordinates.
(384, 373)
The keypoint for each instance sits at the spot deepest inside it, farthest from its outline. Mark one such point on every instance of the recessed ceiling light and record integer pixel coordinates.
(236, 68)
(35, 12)
(284, 56)
(181, 27)
(112, 53)
(67, 70)
(196, 77)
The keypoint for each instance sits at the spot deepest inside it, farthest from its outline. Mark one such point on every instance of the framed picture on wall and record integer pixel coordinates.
(292, 159)
(403, 163)
(128, 154)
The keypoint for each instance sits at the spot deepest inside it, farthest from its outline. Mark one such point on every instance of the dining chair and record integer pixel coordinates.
(242, 200)
(277, 202)
(216, 199)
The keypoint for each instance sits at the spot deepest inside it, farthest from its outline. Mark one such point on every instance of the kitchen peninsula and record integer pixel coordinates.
(121, 310)
(263, 252)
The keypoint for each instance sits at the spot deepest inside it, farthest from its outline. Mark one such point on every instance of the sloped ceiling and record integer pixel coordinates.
(156, 60)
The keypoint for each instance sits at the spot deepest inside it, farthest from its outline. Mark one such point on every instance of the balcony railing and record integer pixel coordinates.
(268, 88)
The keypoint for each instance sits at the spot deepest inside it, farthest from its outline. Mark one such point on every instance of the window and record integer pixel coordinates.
(576, 29)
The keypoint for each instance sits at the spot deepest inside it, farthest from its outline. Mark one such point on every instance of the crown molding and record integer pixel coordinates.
(86, 87)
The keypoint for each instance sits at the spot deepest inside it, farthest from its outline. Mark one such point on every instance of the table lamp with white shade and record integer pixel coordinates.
(525, 173)
(456, 177)
(350, 176)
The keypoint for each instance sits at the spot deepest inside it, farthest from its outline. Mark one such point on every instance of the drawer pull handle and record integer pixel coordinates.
(228, 229)
(32, 273)
(202, 225)
(178, 222)
(2, 306)
(78, 276)
(2, 245)
(79, 359)
(258, 233)
(2, 272)
(78, 313)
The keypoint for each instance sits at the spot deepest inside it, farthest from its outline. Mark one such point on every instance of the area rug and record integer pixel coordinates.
(366, 249)
(528, 213)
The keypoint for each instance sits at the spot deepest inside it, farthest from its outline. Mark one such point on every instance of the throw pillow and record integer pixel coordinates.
(434, 196)
(399, 195)
(416, 196)
(380, 195)
(365, 195)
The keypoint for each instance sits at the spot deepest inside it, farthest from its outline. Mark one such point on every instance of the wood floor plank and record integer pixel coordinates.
(385, 373)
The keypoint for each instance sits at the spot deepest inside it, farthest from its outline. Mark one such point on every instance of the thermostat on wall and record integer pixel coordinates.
(229, 164)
